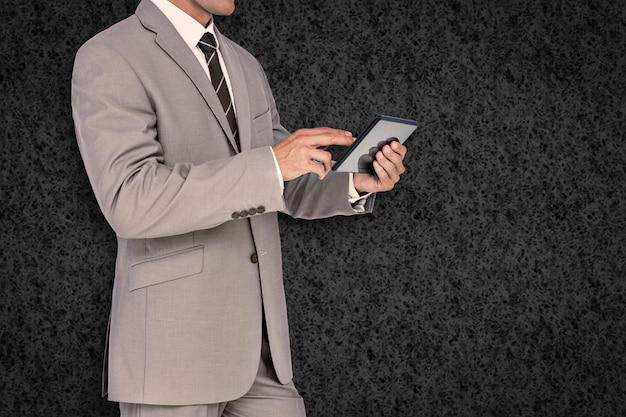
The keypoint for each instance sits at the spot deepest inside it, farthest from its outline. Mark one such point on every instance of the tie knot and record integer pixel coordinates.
(207, 42)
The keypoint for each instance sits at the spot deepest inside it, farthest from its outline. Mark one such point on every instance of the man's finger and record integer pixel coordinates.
(389, 172)
(320, 155)
(395, 158)
(385, 173)
(322, 137)
(319, 168)
(399, 148)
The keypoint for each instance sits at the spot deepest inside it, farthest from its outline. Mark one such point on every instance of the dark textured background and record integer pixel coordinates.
(489, 283)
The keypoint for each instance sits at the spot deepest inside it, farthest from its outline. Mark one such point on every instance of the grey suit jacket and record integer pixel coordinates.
(198, 242)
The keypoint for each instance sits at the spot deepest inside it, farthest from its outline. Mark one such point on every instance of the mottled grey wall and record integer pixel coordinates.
(489, 283)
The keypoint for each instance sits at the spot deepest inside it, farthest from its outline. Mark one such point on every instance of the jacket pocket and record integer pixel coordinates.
(168, 267)
(262, 124)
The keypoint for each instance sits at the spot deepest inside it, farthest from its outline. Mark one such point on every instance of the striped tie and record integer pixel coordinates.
(208, 45)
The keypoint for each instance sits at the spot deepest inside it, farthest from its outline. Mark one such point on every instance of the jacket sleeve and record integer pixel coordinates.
(140, 196)
(308, 197)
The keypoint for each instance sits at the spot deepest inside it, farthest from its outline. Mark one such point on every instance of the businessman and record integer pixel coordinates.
(183, 146)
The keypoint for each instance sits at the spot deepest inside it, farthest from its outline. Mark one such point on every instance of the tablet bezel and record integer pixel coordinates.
(363, 144)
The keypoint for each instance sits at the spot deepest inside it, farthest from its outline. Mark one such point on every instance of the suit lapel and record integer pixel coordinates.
(239, 90)
(173, 44)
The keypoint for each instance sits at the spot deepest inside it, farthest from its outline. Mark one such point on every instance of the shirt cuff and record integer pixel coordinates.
(356, 200)
(279, 173)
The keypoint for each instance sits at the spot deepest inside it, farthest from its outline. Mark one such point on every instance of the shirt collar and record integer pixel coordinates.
(189, 28)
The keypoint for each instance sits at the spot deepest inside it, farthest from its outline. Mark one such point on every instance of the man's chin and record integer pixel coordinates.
(226, 11)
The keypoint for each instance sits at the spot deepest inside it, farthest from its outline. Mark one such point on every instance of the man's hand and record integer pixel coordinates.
(304, 151)
(388, 166)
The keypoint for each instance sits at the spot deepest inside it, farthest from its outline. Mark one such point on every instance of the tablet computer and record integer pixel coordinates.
(381, 131)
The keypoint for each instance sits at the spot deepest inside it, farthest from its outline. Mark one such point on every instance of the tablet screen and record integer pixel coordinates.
(382, 130)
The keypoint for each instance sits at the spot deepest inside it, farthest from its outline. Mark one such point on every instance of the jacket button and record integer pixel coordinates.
(244, 213)
(254, 258)
(235, 215)
(252, 211)
(260, 209)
